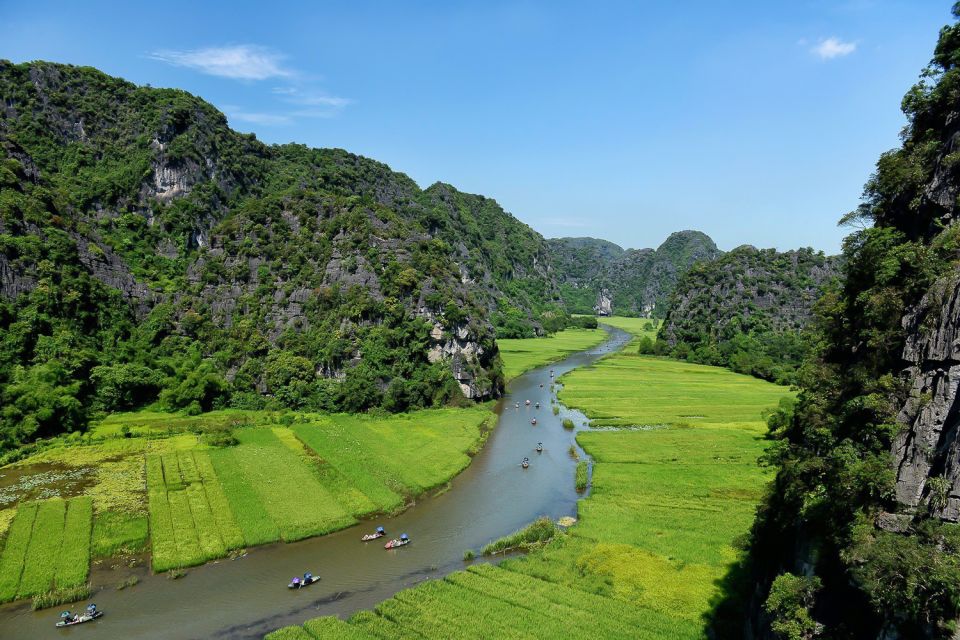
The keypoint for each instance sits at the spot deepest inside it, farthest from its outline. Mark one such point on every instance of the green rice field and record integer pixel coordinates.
(47, 548)
(639, 327)
(520, 355)
(135, 486)
(675, 484)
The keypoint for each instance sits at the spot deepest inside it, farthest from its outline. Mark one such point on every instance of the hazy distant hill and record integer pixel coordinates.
(599, 275)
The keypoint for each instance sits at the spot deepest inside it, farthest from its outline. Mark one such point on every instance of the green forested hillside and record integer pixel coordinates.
(149, 253)
(505, 262)
(747, 310)
(596, 275)
(858, 537)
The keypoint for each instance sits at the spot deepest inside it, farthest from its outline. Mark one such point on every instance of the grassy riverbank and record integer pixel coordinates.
(671, 498)
(520, 355)
(146, 481)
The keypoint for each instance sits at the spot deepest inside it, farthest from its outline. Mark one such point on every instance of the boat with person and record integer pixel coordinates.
(534, 421)
(539, 447)
(379, 533)
(404, 539)
(526, 463)
(307, 580)
(68, 619)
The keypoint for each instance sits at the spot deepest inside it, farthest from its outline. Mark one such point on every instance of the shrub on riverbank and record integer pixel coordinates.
(533, 535)
(58, 597)
(582, 475)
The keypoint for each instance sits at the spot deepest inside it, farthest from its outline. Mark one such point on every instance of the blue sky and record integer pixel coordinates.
(756, 122)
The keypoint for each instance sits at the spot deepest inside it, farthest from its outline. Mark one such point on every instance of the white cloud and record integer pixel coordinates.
(833, 47)
(240, 62)
(237, 114)
(302, 98)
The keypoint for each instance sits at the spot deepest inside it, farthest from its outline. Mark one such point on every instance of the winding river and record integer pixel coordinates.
(247, 597)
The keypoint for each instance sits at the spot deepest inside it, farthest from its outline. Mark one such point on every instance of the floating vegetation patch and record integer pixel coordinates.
(42, 481)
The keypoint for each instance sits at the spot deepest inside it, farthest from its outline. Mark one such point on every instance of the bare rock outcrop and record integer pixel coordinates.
(927, 451)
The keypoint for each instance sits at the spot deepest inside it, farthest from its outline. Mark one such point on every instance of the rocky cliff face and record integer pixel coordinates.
(926, 452)
(860, 532)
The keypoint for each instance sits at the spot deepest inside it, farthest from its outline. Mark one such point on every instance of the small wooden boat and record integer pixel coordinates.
(534, 421)
(379, 533)
(537, 405)
(539, 447)
(69, 621)
(393, 544)
(528, 403)
(526, 463)
(300, 583)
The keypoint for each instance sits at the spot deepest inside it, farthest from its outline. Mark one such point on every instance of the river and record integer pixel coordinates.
(247, 597)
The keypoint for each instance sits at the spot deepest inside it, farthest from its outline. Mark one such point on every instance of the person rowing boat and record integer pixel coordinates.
(393, 544)
(379, 533)
(68, 619)
(539, 447)
(307, 580)
(525, 463)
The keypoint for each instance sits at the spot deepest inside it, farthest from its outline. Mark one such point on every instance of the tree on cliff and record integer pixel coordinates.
(888, 566)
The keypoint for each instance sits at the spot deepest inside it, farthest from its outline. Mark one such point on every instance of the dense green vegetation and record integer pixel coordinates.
(836, 481)
(747, 310)
(155, 256)
(287, 477)
(506, 262)
(656, 539)
(635, 281)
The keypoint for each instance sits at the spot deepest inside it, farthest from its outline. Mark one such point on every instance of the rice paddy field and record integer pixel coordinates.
(674, 487)
(47, 548)
(132, 485)
(639, 327)
(520, 355)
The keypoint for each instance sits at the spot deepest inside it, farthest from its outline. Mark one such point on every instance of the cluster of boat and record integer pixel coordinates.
(308, 578)
(525, 463)
(404, 539)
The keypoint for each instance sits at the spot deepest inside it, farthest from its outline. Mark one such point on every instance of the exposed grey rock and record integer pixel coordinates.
(894, 522)
(14, 280)
(604, 306)
(928, 447)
